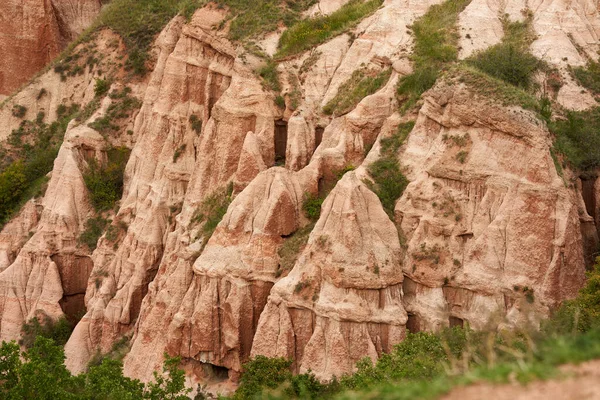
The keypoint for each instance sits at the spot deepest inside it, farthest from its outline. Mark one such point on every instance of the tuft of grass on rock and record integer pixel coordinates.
(311, 32)
(361, 84)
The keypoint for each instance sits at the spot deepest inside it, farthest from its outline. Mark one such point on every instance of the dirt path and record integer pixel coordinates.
(581, 382)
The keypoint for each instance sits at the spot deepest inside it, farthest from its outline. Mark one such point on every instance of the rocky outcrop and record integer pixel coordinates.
(33, 32)
(343, 299)
(486, 233)
(491, 228)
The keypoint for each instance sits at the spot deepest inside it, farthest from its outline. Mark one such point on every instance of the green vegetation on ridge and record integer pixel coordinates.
(427, 365)
(312, 32)
(434, 50)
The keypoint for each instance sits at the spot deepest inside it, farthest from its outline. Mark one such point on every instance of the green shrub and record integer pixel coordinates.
(94, 228)
(39, 372)
(435, 48)
(507, 62)
(361, 84)
(577, 138)
(261, 373)
(388, 181)
(59, 331)
(24, 170)
(311, 32)
(312, 206)
(105, 182)
(588, 76)
(101, 87)
(123, 104)
(19, 111)
(270, 76)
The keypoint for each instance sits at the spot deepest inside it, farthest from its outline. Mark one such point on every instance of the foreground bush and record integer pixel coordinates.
(40, 373)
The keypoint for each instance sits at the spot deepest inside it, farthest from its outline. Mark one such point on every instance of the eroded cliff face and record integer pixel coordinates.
(486, 233)
(33, 32)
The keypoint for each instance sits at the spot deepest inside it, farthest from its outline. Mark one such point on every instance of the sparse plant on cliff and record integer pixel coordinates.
(291, 248)
(588, 76)
(388, 182)
(94, 228)
(105, 182)
(212, 210)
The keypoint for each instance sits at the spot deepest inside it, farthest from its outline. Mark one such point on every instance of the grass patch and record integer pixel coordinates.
(388, 181)
(122, 106)
(588, 76)
(138, 22)
(311, 32)
(105, 182)
(510, 60)
(361, 84)
(436, 41)
(492, 88)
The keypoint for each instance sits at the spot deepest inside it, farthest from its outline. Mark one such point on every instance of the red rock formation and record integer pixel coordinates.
(33, 32)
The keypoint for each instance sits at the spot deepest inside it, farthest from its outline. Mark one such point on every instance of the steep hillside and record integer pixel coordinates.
(301, 179)
(33, 32)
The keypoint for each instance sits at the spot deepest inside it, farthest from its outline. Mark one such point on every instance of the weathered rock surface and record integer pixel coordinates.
(490, 226)
(33, 32)
(486, 232)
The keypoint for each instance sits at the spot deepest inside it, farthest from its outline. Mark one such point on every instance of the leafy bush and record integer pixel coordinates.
(361, 84)
(59, 331)
(388, 181)
(507, 62)
(311, 32)
(40, 373)
(19, 111)
(435, 47)
(578, 138)
(105, 182)
(588, 76)
(312, 206)
(101, 87)
(23, 170)
(262, 372)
